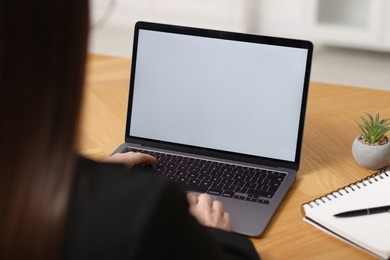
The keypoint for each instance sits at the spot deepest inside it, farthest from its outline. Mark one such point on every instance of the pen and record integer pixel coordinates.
(361, 212)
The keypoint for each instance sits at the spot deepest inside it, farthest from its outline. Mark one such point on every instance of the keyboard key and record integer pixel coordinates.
(172, 178)
(193, 182)
(228, 176)
(215, 179)
(239, 177)
(205, 171)
(229, 188)
(241, 189)
(236, 170)
(200, 189)
(203, 177)
(214, 191)
(182, 180)
(273, 186)
(226, 181)
(239, 197)
(253, 196)
(217, 185)
(181, 173)
(215, 167)
(251, 199)
(227, 194)
(239, 183)
(251, 185)
(275, 177)
(261, 193)
(205, 183)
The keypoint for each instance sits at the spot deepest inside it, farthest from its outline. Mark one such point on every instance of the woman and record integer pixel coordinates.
(55, 204)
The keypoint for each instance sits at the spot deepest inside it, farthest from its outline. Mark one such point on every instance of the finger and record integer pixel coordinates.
(226, 216)
(115, 158)
(131, 159)
(192, 199)
(205, 200)
(217, 206)
(227, 220)
(140, 158)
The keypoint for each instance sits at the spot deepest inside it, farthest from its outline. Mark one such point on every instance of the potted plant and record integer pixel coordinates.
(371, 149)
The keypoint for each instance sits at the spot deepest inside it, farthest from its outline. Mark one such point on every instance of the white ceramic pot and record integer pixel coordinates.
(371, 156)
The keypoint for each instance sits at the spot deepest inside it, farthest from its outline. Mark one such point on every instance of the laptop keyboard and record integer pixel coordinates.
(222, 179)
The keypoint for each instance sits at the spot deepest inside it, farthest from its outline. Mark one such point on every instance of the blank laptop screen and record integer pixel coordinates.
(221, 94)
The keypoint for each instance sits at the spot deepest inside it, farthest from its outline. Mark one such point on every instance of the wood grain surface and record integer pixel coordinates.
(326, 162)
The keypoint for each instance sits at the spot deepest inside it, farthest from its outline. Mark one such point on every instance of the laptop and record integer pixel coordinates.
(223, 113)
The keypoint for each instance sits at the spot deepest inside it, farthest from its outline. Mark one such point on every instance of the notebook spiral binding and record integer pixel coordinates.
(385, 173)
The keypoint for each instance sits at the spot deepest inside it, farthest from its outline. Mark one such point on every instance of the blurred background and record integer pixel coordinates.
(351, 37)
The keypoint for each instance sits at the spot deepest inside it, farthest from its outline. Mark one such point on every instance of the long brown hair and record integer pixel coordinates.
(42, 59)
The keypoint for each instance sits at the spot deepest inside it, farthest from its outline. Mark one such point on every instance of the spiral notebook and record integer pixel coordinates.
(370, 233)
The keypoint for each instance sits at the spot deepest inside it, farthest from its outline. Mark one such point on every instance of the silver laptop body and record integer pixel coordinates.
(228, 98)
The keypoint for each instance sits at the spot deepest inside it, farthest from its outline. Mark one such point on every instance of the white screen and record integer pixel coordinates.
(227, 95)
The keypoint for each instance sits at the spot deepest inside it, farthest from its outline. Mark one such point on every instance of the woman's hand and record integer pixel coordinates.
(209, 212)
(131, 159)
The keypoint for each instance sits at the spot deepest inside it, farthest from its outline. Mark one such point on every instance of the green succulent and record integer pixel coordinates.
(374, 131)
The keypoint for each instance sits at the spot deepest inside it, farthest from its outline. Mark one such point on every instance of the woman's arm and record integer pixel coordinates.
(173, 233)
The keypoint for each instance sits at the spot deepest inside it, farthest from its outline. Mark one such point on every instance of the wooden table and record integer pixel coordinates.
(326, 164)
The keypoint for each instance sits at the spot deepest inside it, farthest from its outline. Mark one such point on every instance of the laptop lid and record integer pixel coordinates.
(227, 95)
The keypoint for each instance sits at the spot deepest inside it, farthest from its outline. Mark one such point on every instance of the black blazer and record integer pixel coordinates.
(119, 214)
